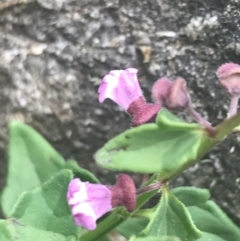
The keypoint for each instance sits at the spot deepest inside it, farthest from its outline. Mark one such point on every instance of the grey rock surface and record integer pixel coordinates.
(53, 54)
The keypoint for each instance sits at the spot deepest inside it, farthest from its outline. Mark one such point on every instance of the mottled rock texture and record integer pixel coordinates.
(53, 54)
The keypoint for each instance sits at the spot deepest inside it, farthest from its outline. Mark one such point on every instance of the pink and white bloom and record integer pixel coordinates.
(88, 202)
(121, 86)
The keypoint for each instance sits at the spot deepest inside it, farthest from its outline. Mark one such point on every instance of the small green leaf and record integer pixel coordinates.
(191, 196)
(166, 119)
(31, 161)
(172, 218)
(45, 208)
(154, 239)
(211, 237)
(164, 148)
(80, 172)
(4, 233)
(132, 226)
(207, 216)
(22, 232)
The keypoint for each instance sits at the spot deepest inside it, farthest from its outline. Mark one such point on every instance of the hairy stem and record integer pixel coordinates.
(198, 117)
(233, 106)
(150, 188)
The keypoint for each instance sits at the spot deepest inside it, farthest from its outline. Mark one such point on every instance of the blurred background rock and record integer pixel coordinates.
(53, 54)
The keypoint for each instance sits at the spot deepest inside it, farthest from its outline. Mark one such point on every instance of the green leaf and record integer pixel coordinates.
(31, 161)
(12, 230)
(207, 216)
(132, 226)
(149, 148)
(166, 119)
(172, 218)
(154, 239)
(4, 233)
(191, 196)
(22, 232)
(80, 172)
(42, 214)
(46, 207)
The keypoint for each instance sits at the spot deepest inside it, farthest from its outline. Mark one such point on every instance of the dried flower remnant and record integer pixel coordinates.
(178, 95)
(161, 90)
(174, 96)
(122, 87)
(229, 77)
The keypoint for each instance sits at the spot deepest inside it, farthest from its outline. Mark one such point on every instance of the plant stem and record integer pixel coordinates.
(150, 188)
(226, 127)
(233, 106)
(198, 117)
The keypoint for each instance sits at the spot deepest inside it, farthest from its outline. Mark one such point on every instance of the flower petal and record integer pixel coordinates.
(88, 202)
(121, 86)
(84, 215)
(107, 87)
(100, 197)
(77, 192)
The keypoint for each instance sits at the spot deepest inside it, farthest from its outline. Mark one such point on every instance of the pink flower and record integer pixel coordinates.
(229, 77)
(88, 202)
(121, 86)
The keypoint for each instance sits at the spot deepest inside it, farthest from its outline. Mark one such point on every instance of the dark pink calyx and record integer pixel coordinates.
(142, 112)
(124, 193)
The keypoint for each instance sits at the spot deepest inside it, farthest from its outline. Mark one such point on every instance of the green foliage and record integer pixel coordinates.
(42, 213)
(132, 226)
(171, 218)
(38, 180)
(32, 161)
(207, 216)
(149, 148)
(154, 239)
(191, 196)
(80, 172)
